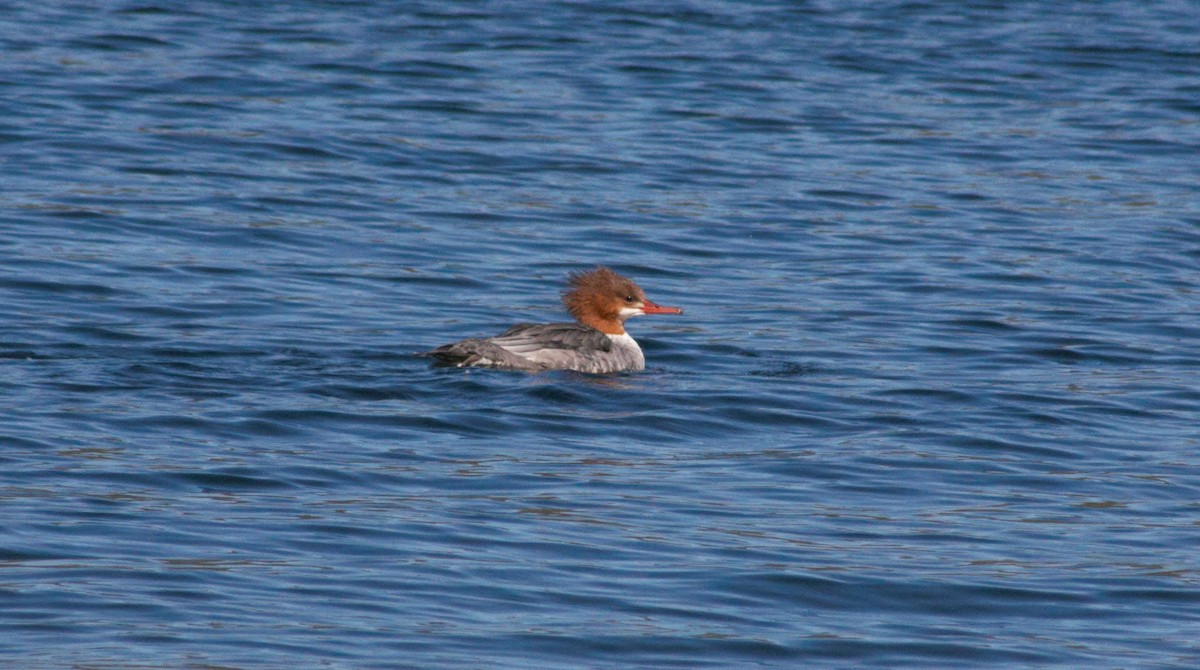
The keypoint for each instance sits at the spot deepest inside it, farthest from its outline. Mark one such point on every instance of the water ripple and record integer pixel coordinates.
(931, 403)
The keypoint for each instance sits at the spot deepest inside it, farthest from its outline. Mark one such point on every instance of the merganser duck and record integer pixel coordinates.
(600, 300)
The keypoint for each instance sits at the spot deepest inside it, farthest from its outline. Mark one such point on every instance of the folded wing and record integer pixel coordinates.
(527, 346)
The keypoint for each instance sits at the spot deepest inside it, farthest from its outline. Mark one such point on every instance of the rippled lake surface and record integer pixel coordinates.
(933, 401)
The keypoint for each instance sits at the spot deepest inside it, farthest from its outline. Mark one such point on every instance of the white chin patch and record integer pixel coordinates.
(627, 312)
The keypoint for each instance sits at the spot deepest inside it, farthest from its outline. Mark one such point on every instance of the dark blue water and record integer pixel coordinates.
(934, 401)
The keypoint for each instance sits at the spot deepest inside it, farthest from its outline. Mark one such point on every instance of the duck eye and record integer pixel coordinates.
(630, 298)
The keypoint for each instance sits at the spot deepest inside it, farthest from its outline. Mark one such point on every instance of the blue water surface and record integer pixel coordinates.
(933, 401)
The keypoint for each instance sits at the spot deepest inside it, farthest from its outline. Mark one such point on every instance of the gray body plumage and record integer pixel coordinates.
(551, 346)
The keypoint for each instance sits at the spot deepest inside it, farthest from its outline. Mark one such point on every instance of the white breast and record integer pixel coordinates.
(627, 351)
